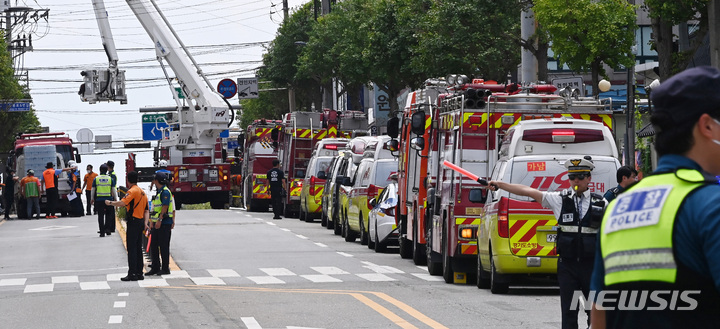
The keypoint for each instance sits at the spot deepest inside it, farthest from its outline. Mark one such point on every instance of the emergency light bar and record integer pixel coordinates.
(564, 135)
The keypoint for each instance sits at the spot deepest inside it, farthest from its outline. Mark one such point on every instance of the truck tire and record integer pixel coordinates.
(363, 234)
(21, 208)
(434, 268)
(418, 252)
(403, 242)
(217, 204)
(350, 236)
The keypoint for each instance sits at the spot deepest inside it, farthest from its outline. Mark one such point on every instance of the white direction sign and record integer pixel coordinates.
(247, 88)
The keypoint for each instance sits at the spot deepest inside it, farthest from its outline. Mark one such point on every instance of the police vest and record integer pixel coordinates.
(157, 206)
(577, 236)
(636, 243)
(103, 186)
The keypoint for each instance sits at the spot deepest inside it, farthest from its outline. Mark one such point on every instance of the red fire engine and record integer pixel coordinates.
(258, 152)
(463, 123)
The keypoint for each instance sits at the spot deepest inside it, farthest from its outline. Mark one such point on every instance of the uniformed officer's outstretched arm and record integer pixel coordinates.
(518, 189)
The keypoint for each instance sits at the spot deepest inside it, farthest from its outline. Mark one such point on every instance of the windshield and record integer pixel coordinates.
(383, 171)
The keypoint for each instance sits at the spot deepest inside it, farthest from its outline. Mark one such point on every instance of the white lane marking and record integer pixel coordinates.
(428, 277)
(424, 268)
(277, 271)
(321, 244)
(176, 275)
(119, 304)
(375, 277)
(153, 283)
(251, 323)
(39, 288)
(65, 271)
(381, 268)
(321, 278)
(65, 279)
(51, 228)
(98, 285)
(208, 281)
(301, 236)
(248, 215)
(329, 270)
(265, 280)
(344, 254)
(271, 223)
(123, 294)
(223, 273)
(12, 282)
(285, 229)
(115, 319)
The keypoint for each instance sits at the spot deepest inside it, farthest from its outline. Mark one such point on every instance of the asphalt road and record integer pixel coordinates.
(239, 270)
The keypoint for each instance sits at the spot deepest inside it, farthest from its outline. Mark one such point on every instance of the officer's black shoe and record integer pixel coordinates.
(139, 277)
(102, 235)
(133, 277)
(164, 272)
(153, 272)
(108, 232)
(277, 217)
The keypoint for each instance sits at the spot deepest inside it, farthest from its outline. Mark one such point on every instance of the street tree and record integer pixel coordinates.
(665, 14)
(473, 37)
(587, 33)
(10, 90)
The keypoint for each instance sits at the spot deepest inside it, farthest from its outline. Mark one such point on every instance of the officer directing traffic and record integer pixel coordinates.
(578, 213)
(162, 221)
(661, 237)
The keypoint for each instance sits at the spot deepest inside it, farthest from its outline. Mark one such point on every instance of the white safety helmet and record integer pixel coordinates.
(72, 164)
(162, 163)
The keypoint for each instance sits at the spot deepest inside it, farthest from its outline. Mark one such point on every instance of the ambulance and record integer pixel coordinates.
(516, 236)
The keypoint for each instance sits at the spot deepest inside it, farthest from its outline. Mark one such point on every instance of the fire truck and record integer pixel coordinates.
(301, 132)
(189, 141)
(464, 122)
(34, 151)
(258, 152)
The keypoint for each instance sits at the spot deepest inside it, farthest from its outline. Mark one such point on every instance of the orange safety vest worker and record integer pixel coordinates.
(49, 177)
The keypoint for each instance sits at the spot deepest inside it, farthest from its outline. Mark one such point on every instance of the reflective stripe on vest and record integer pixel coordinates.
(103, 186)
(636, 232)
(157, 206)
(574, 229)
(31, 189)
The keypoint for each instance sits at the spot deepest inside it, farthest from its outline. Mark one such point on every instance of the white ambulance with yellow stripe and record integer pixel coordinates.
(516, 237)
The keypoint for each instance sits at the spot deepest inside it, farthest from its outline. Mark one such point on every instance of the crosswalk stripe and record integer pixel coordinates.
(265, 280)
(329, 270)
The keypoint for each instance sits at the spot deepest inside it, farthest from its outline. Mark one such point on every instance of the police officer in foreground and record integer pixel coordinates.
(662, 235)
(136, 216)
(277, 186)
(625, 176)
(162, 221)
(578, 213)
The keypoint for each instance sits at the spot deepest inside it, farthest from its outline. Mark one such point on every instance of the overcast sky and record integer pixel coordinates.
(216, 31)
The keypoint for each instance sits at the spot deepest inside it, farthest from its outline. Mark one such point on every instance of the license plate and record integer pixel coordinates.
(214, 188)
(551, 237)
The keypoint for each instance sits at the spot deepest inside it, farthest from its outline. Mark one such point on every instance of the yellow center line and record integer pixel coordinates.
(357, 294)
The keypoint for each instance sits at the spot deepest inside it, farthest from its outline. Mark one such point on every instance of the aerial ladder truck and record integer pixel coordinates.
(190, 145)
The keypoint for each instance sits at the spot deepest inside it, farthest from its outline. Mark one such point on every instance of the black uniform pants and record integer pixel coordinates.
(160, 246)
(52, 200)
(110, 220)
(134, 245)
(573, 275)
(9, 201)
(88, 197)
(103, 213)
(277, 203)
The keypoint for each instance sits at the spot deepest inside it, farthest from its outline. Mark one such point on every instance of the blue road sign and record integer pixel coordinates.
(225, 133)
(15, 107)
(232, 145)
(152, 126)
(227, 88)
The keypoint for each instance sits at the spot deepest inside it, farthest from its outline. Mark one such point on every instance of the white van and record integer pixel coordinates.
(517, 235)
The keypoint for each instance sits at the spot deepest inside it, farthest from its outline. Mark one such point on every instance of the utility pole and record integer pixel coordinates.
(328, 88)
(291, 91)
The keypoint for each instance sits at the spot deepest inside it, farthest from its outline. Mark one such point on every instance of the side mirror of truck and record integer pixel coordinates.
(393, 127)
(346, 181)
(417, 123)
(321, 175)
(417, 143)
(392, 145)
(478, 195)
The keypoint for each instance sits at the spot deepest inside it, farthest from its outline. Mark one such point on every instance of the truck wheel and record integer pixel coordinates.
(217, 204)
(447, 270)
(21, 208)
(403, 242)
(349, 234)
(363, 234)
(418, 252)
(495, 286)
(323, 219)
(302, 215)
(337, 226)
(434, 268)
(482, 278)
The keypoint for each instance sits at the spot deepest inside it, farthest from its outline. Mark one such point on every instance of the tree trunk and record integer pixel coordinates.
(542, 59)
(662, 31)
(595, 76)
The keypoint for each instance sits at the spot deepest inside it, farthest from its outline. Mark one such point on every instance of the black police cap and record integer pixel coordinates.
(687, 95)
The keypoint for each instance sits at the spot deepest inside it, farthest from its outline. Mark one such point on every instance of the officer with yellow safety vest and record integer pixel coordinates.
(162, 221)
(660, 239)
(103, 190)
(578, 212)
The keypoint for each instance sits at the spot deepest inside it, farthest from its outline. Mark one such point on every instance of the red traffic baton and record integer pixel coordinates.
(465, 173)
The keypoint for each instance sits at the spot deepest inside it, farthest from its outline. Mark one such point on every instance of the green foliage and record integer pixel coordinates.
(269, 105)
(198, 206)
(13, 122)
(585, 33)
(675, 11)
